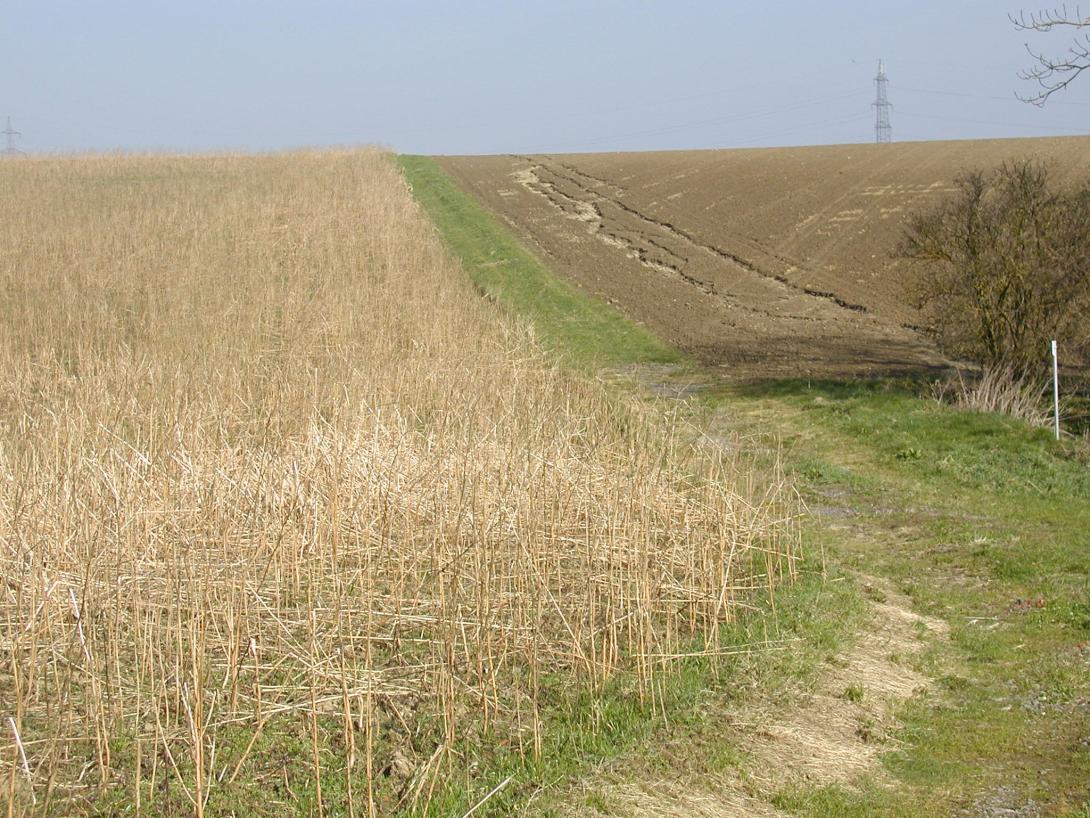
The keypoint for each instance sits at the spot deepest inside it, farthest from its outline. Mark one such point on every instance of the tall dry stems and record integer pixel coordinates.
(998, 390)
(268, 467)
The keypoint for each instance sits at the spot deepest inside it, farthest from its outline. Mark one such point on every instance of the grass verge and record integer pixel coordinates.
(582, 731)
(763, 650)
(981, 520)
(567, 320)
(984, 522)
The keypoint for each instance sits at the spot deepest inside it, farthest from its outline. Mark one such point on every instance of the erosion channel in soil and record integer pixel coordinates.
(761, 263)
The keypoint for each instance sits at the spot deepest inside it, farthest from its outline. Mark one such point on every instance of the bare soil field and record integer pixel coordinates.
(762, 262)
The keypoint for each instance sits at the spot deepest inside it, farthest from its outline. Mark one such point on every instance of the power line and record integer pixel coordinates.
(965, 95)
(780, 133)
(1028, 125)
(717, 121)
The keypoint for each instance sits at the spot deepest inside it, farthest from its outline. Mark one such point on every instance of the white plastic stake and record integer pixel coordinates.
(22, 758)
(1056, 388)
(19, 744)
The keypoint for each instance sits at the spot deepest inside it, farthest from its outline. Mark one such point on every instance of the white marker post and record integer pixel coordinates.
(1056, 388)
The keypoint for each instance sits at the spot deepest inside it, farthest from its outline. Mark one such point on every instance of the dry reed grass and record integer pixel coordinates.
(265, 459)
(998, 390)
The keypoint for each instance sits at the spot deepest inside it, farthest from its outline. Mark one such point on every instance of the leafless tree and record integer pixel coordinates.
(1005, 267)
(1054, 73)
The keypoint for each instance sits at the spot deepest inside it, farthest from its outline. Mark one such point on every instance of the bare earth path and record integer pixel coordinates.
(834, 734)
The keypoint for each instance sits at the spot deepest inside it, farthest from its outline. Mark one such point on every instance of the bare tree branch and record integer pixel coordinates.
(1049, 19)
(1054, 73)
(1004, 266)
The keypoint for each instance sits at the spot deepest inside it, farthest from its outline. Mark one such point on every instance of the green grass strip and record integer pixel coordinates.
(967, 513)
(568, 322)
(581, 729)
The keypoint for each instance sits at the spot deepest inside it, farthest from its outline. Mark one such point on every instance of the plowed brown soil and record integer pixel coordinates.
(767, 262)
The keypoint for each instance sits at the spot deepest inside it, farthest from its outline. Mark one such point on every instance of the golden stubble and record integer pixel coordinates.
(266, 458)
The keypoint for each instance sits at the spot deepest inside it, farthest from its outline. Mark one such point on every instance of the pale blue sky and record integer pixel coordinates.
(500, 77)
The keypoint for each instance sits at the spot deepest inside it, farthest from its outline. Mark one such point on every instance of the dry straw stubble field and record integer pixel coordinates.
(288, 514)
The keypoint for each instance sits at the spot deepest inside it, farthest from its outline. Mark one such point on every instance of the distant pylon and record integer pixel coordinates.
(883, 131)
(10, 134)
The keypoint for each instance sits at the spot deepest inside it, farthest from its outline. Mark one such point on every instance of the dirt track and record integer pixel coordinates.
(765, 263)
